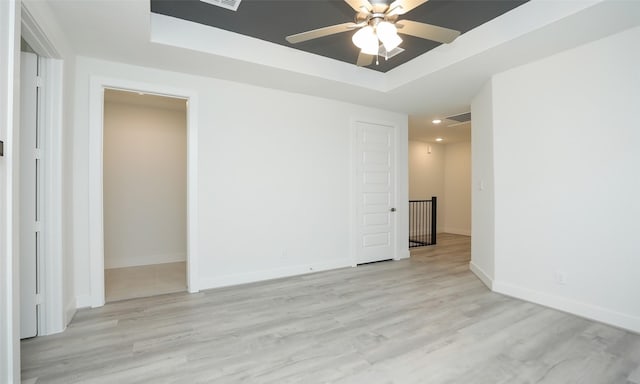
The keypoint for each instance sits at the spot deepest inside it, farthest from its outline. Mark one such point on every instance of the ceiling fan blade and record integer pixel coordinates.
(364, 60)
(320, 32)
(357, 5)
(404, 6)
(427, 31)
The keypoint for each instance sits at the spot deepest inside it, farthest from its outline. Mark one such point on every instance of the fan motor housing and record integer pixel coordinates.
(374, 18)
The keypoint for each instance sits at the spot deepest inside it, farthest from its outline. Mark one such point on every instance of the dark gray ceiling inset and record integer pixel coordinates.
(273, 20)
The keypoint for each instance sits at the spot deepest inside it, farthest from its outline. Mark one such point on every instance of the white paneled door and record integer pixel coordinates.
(375, 192)
(30, 207)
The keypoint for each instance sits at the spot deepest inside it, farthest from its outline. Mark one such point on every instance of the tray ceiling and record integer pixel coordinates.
(272, 21)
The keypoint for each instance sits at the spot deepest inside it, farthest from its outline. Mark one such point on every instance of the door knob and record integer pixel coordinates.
(393, 209)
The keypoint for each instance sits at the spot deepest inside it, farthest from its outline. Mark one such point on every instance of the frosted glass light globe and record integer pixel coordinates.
(388, 34)
(366, 40)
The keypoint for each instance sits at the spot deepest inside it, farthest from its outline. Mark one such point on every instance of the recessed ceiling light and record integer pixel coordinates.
(436, 121)
(439, 139)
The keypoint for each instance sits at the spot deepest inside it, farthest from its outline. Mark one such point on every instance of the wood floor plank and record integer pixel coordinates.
(422, 320)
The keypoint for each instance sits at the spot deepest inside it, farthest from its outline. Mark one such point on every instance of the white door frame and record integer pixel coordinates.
(31, 197)
(9, 119)
(96, 224)
(52, 316)
(354, 217)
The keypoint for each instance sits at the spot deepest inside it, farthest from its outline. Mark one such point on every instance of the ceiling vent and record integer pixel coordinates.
(227, 4)
(461, 118)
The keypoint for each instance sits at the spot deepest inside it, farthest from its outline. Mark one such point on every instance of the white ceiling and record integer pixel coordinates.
(423, 129)
(439, 83)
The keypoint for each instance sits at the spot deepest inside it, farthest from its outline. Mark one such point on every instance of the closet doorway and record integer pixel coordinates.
(144, 194)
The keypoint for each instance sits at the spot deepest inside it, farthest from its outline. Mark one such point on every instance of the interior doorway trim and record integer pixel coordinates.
(96, 224)
(53, 315)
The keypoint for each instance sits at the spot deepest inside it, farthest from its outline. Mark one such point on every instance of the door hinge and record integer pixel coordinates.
(37, 226)
(37, 154)
(39, 299)
(39, 81)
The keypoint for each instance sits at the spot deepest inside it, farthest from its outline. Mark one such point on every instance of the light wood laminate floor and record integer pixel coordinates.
(144, 280)
(423, 320)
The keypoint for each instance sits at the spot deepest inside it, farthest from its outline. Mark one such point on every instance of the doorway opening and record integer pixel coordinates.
(440, 171)
(144, 194)
(98, 85)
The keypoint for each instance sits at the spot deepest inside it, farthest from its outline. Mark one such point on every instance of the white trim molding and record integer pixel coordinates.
(83, 301)
(481, 274)
(70, 311)
(137, 261)
(588, 311)
(457, 231)
(35, 36)
(270, 274)
(96, 227)
(9, 131)
(53, 308)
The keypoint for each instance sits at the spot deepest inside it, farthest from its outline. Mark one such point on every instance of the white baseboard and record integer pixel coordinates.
(404, 254)
(69, 312)
(144, 260)
(482, 275)
(589, 311)
(83, 301)
(457, 231)
(252, 277)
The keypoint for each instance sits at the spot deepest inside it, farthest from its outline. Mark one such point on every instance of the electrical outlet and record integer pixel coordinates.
(561, 277)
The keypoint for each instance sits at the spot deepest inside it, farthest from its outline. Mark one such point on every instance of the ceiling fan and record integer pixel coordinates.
(376, 22)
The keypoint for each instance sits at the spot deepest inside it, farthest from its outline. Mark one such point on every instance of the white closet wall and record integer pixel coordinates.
(145, 167)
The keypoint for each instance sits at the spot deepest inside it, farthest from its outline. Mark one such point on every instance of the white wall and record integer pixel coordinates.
(145, 185)
(482, 186)
(426, 170)
(274, 177)
(456, 205)
(9, 128)
(566, 157)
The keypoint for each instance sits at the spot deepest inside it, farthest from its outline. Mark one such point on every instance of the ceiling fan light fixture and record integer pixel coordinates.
(366, 39)
(385, 30)
(391, 42)
(395, 10)
(371, 50)
(374, 28)
(388, 35)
